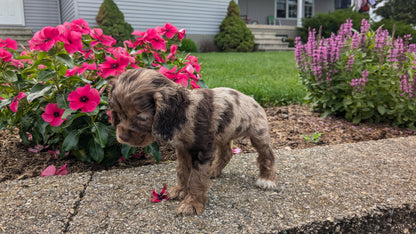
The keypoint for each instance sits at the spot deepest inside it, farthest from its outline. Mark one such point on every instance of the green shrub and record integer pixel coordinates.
(234, 36)
(188, 45)
(400, 28)
(363, 75)
(330, 22)
(111, 20)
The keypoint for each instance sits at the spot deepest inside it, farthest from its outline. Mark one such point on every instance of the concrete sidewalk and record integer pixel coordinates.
(362, 187)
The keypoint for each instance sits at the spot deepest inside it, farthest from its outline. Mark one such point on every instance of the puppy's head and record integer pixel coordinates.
(145, 106)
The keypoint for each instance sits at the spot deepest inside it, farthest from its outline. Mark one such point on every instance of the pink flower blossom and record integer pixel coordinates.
(80, 70)
(193, 61)
(51, 171)
(8, 43)
(172, 54)
(169, 30)
(158, 43)
(236, 150)
(84, 98)
(114, 67)
(53, 114)
(15, 103)
(174, 75)
(5, 55)
(181, 34)
(81, 26)
(44, 39)
(162, 196)
(97, 34)
(72, 41)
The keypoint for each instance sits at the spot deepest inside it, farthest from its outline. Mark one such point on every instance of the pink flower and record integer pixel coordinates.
(236, 150)
(15, 103)
(181, 34)
(192, 60)
(8, 43)
(97, 34)
(72, 41)
(51, 171)
(158, 43)
(84, 98)
(174, 75)
(44, 39)
(162, 196)
(80, 70)
(37, 148)
(5, 55)
(169, 30)
(53, 115)
(114, 67)
(172, 54)
(81, 26)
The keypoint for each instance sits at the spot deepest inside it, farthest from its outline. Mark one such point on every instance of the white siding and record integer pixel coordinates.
(197, 16)
(41, 13)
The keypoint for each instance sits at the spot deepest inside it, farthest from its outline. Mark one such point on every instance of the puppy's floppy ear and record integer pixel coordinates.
(170, 111)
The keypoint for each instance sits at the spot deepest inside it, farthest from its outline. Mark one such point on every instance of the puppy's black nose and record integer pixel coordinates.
(124, 137)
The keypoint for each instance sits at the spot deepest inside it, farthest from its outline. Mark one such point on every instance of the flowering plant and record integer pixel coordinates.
(56, 92)
(365, 75)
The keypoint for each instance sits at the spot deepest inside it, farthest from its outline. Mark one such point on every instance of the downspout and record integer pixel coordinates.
(299, 13)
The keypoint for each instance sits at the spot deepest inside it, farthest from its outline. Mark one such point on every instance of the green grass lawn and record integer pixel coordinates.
(270, 77)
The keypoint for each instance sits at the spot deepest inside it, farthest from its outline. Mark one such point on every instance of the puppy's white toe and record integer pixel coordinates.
(266, 184)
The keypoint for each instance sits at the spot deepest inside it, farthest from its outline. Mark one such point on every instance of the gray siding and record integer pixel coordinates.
(68, 10)
(197, 16)
(41, 13)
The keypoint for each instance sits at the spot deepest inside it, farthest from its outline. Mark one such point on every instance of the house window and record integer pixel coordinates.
(341, 4)
(289, 8)
(308, 8)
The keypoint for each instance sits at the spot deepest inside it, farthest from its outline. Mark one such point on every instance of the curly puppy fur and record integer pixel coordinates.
(200, 124)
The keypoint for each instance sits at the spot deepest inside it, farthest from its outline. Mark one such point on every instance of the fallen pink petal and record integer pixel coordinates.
(236, 150)
(162, 196)
(51, 171)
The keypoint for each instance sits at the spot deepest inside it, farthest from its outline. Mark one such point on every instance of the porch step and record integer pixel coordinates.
(270, 37)
(20, 35)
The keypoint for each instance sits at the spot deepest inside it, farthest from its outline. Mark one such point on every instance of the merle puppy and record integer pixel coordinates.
(146, 107)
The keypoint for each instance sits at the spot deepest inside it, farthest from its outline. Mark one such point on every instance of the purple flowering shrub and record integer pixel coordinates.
(366, 75)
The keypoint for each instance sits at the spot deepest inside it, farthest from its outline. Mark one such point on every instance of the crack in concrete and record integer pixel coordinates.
(76, 206)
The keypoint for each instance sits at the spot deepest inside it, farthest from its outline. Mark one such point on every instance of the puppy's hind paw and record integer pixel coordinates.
(266, 184)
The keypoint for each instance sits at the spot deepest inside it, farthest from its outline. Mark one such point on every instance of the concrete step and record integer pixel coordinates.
(20, 35)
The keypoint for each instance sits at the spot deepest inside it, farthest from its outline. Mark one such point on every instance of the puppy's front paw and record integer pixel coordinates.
(266, 184)
(190, 207)
(177, 192)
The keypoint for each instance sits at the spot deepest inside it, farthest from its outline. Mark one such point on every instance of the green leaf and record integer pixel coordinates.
(127, 150)
(101, 134)
(65, 59)
(38, 90)
(153, 149)
(148, 58)
(10, 76)
(95, 151)
(202, 84)
(44, 76)
(381, 110)
(5, 103)
(71, 140)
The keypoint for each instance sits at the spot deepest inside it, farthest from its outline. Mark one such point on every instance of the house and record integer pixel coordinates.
(200, 18)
